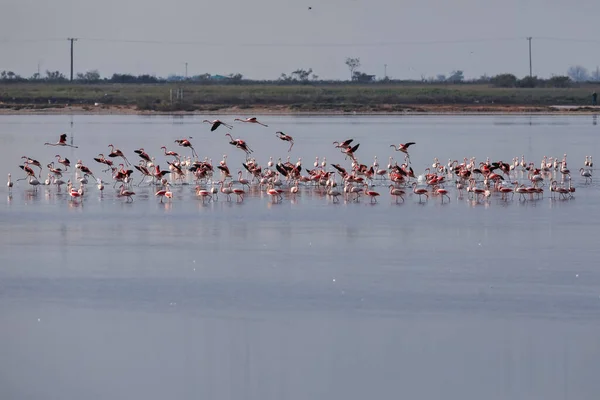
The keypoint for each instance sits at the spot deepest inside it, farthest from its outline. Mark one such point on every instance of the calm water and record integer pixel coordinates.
(305, 299)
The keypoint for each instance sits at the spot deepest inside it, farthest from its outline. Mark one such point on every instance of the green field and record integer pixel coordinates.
(321, 97)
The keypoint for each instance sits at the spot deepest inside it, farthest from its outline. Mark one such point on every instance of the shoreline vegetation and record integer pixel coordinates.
(278, 99)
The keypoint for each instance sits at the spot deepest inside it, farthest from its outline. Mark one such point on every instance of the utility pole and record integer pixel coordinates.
(384, 71)
(186, 70)
(72, 40)
(530, 70)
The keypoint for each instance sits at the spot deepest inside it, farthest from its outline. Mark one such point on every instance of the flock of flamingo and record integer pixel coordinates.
(479, 181)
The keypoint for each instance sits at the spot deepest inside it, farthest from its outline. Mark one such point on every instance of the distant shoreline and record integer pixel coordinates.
(417, 109)
(271, 99)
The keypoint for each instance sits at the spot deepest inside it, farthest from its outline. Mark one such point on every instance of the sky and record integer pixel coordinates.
(262, 39)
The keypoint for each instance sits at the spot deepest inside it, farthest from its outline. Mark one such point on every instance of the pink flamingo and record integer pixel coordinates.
(420, 192)
(238, 192)
(274, 193)
(61, 142)
(186, 143)
(394, 191)
(251, 120)
(372, 194)
(117, 153)
(126, 193)
(205, 194)
(226, 190)
(217, 123)
(442, 192)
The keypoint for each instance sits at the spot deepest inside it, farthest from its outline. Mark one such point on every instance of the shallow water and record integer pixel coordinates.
(306, 298)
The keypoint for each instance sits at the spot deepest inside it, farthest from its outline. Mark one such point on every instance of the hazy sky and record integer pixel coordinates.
(263, 38)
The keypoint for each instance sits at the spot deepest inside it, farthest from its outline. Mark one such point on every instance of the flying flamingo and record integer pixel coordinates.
(186, 143)
(170, 153)
(239, 143)
(143, 155)
(286, 138)
(61, 142)
(28, 170)
(420, 192)
(31, 161)
(117, 153)
(394, 191)
(251, 120)
(126, 193)
(344, 145)
(217, 123)
(403, 147)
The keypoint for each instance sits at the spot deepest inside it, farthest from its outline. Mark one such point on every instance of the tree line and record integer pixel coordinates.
(575, 74)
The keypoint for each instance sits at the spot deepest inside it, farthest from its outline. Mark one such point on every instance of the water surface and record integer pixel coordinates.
(303, 299)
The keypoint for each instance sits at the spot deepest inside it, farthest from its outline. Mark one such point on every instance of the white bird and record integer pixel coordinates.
(9, 184)
(586, 174)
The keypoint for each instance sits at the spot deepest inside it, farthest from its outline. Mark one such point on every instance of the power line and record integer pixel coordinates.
(282, 44)
(275, 44)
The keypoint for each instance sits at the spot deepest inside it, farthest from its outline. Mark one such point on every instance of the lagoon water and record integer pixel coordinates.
(305, 299)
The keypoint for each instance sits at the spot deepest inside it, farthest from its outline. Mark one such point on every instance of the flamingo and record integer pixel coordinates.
(74, 194)
(442, 192)
(239, 143)
(100, 185)
(31, 161)
(226, 190)
(205, 194)
(343, 145)
(251, 120)
(286, 138)
(126, 193)
(294, 189)
(64, 161)
(397, 193)
(274, 193)
(61, 142)
(238, 192)
(170, 153)
(117, 153)
(186, 143)
(420, 192)
(334, 194)
(217, 123)
(164, 192)
(403, 147)
(9, 184)
(143, 155)
(372, 194)
(243, 181)
(586, 174)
